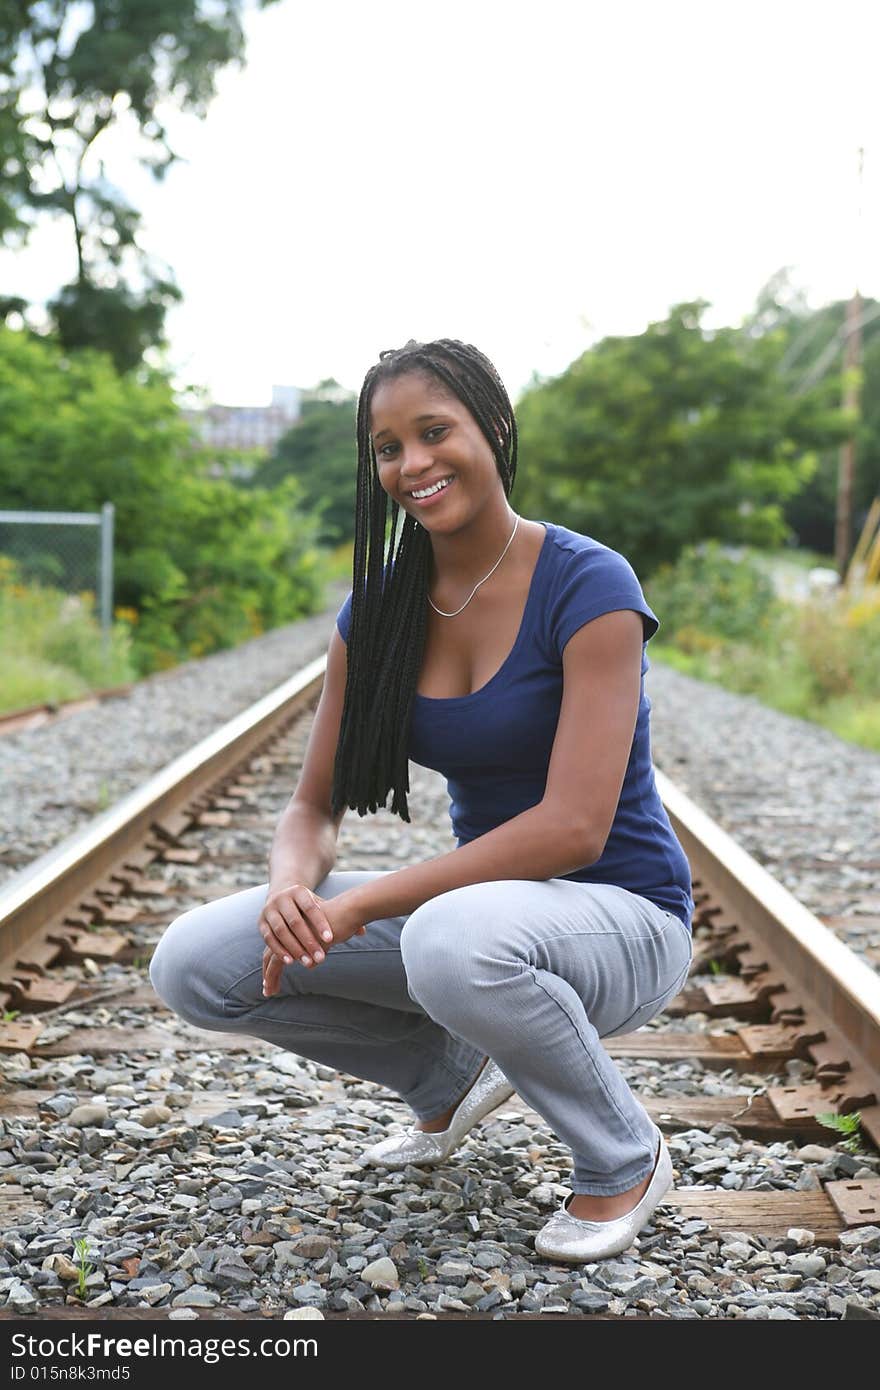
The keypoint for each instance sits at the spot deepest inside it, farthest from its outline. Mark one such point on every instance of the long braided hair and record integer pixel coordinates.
(389, 599)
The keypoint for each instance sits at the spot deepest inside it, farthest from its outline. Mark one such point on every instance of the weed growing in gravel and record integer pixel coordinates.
(81, 1250)
(848, 1125)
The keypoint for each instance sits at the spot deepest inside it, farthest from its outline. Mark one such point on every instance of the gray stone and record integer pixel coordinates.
(857, 1312)
(309, 1293)
(801, 1237)
(590, 1300)
(90, 1114)
(381, 1274)
(312, 1247)
(711, 1165)
(472, 1292)
(227, 1119)
(156, 1292)
(736, 1250)
(152, 1115)
(61, 1105)
(130, 1129)
(487, 1302)
(635, 1288)
(454, 1271)
(196, 1297)
(864, 1237)
(230, 1273)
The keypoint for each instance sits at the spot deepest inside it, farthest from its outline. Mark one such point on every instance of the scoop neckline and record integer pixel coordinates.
(526, 613)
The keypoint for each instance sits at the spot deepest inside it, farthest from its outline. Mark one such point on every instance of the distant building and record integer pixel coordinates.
(248, 426)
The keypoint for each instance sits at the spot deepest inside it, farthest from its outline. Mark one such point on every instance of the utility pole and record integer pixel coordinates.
(847, 460)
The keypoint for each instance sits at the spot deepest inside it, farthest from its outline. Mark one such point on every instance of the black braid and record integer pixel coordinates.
(386, 639)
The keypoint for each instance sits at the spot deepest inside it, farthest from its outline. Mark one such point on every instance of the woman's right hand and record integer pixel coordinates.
(293, 921)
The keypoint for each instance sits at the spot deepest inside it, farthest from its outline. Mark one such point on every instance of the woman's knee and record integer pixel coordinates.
(180, 973)
(448, 948)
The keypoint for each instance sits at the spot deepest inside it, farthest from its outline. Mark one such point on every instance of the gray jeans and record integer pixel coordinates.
(529, 972)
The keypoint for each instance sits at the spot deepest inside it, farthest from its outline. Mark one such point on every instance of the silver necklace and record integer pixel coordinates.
(482, 581)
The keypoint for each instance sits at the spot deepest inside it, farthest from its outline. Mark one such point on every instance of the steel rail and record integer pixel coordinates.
(842, 988)
(65, 873)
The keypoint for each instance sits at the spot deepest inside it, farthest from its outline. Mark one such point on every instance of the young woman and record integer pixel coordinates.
(508, 654)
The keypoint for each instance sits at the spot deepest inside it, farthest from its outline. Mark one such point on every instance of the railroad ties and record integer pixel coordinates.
(74, 955)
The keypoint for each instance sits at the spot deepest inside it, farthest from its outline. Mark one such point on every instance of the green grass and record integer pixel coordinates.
(853, 717)
(854, 720)
(819, 661)
(52, 644)
(27, 679)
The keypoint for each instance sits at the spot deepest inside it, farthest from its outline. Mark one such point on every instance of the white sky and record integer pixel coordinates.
(526, 176)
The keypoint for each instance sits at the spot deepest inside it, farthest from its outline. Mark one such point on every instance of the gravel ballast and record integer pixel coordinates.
(219, 1179)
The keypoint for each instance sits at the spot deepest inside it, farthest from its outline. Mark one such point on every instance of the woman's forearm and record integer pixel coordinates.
(304, 849)
(537, 844)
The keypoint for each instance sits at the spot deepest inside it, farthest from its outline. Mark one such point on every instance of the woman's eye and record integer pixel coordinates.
(383, 451)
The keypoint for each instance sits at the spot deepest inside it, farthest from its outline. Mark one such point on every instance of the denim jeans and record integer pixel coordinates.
(529, 972)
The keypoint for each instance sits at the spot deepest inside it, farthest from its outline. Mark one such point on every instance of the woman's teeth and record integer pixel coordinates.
(423, 494)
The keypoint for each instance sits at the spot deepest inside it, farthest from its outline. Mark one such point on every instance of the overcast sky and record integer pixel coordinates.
(526, 176)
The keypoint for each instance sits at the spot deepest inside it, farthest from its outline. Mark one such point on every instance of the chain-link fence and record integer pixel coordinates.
(71, 551)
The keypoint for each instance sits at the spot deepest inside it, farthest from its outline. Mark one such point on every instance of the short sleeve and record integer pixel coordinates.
(598, 580)
(343, 617)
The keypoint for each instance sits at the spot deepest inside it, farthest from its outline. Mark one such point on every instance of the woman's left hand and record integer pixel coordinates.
(345, 920)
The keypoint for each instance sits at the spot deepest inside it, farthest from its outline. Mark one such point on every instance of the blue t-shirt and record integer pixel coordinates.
(493, 746)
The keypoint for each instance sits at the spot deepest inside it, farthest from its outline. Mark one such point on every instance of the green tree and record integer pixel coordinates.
(70, 70)
(674, 435)
(205, 563)
(320, 451)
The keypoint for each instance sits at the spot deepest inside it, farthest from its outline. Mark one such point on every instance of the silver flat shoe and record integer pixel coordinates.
(489, 1090)
(567, 1237)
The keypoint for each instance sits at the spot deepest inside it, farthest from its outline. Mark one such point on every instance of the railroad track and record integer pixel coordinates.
(769, 986)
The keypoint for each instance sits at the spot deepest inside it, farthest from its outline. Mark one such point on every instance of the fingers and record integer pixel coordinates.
(272, 968)
(289, 941)
(291, 924)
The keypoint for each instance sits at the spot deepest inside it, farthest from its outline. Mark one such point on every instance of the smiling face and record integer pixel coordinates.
(423, 434)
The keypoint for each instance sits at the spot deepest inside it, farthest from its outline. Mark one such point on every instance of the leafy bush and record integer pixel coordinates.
(709, 593)
(817, 660)
(52, 644)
